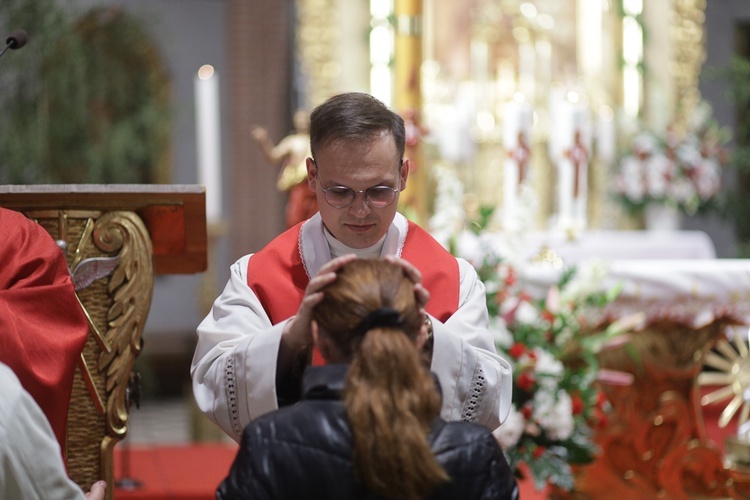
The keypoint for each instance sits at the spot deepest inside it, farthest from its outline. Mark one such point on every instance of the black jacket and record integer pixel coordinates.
(304, 451)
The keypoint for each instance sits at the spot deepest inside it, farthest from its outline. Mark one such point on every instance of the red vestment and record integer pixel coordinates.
(270, 269)
(42, 326)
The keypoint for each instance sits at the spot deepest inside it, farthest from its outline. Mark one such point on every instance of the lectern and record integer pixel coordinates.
(140, 230)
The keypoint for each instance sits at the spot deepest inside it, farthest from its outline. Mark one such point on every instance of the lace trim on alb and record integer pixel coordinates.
(231, 388)
(475, 396)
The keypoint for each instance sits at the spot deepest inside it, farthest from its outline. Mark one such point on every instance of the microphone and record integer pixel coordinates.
(15, 40)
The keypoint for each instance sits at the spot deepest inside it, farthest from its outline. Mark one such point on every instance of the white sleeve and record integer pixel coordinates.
(476, 382)
(234, 365)
(31, 464)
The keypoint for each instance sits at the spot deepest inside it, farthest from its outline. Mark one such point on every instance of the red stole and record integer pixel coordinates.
(268, 271)
(42, 326)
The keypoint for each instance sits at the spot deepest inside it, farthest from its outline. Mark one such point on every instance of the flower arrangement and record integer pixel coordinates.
(681, 171)
(552, 344)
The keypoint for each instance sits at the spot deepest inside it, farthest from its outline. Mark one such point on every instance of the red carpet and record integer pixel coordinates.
(173, 472)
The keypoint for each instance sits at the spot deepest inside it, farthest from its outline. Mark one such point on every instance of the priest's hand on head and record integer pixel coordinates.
(415, 276)
(297, 334)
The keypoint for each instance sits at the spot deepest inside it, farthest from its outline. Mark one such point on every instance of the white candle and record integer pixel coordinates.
(606, 135)
(575, 153)
(517, 119)
(207, 121)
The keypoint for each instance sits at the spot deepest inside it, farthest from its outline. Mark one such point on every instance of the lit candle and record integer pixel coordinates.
(517, 119)
(207, 116)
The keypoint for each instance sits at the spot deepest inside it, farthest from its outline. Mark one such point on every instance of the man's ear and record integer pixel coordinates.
(405, 168)
(312, 170)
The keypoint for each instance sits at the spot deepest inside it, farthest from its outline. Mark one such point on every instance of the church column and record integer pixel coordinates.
(408, 101)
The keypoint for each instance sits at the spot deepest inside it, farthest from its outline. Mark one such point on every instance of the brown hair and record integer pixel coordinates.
(357, 116)
(390, 398)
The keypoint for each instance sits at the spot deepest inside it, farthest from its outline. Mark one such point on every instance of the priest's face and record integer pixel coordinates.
(373, 171)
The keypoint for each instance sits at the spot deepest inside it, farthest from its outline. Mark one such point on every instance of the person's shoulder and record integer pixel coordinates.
(451, 436)
(311, 423)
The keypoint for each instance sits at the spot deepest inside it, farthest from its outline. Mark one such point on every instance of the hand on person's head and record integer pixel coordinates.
(298, 333)
(98, 489)
(411, 272)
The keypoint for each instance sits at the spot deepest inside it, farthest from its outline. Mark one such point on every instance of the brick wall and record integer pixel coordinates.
(260, 74)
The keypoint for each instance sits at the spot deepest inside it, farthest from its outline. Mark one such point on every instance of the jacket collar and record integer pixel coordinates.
(328, 381)
(324, 382)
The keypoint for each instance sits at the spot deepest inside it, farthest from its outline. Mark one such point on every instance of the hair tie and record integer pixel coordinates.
(383, 316)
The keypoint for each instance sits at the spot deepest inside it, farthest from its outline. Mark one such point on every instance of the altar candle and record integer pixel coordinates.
(605, 135)
(517, 120)
(575, 147)
(207, 120)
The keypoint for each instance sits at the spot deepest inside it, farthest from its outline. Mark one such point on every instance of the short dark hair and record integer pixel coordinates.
(354, 115)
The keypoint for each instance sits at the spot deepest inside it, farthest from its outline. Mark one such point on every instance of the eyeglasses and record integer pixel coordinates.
(342, 196)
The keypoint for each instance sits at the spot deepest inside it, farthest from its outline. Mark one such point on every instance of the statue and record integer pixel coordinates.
(290, 154)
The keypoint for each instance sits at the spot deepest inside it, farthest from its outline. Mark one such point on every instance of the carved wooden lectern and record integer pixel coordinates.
(142, 230)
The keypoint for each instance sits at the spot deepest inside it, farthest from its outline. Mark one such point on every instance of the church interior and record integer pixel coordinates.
(588, 157)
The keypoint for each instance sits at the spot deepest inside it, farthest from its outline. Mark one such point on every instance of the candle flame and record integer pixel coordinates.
(206, 72)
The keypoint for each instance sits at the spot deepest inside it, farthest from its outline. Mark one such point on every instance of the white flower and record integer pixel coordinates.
(630, 181)
(527, 313)
(511, 430)
(588, 280)
(659, 171)
(501, 334)
(549, 367)
(554, 413)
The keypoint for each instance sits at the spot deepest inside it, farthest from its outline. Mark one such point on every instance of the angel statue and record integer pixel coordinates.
(290, 154)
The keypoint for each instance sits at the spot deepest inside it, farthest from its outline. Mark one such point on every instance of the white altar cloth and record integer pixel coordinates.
(615, 245)
(691, 291)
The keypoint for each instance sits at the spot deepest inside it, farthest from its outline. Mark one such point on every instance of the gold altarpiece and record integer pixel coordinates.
(656, 445)
(485, 51)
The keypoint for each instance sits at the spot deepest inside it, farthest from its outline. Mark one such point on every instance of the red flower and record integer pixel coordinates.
(525, 381)
(539, 451)
(517, 350)
(577, 404)
(527, 411)
(548, 315)
(510, 279)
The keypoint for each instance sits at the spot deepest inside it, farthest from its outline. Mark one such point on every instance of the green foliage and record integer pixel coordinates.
(87, 102)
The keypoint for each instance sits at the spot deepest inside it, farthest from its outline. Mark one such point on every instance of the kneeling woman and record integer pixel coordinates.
(368, 424)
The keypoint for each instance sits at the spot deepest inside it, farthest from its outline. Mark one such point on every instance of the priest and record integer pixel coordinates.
(42, 325)
(255, 342)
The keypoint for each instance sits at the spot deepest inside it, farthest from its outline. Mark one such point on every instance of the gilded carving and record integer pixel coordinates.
(689, 54)
(318, 35)
(655, 444)
(116, 299)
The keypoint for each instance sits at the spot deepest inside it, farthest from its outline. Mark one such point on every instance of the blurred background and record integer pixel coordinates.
(109, 91)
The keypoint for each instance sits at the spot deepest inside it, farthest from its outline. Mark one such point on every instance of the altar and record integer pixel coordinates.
(655, 444)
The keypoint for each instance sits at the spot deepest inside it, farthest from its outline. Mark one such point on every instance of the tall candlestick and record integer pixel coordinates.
(207, 121)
